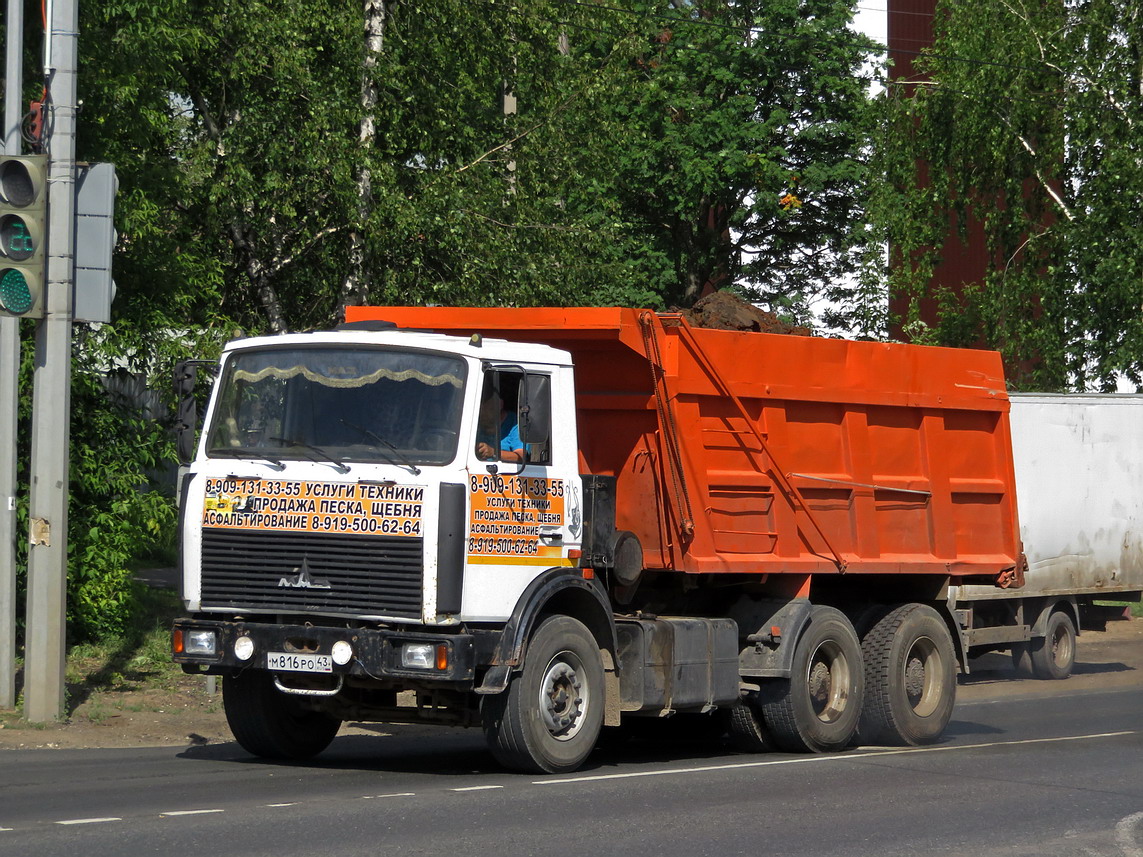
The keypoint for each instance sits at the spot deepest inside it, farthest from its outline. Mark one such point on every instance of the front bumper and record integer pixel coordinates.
(376, 653)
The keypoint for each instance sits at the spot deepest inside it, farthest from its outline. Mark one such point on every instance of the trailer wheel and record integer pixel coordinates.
(1054, 654)
(748, 730)
(819, 707)
(549, 718)
(910, 677)
(272, 724)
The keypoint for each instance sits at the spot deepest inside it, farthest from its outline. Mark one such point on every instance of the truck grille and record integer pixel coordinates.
(286, 572)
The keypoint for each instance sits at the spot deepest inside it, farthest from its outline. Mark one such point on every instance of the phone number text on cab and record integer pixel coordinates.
(505, 547)
(372, 526)
(521, 485)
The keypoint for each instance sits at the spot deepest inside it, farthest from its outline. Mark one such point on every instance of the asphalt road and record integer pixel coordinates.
(1060, 774)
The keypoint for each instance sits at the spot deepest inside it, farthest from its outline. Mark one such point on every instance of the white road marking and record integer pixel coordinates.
(189, 812)
(271, 805)
(394, 794)
(807, 760)
(88, 820)
(1125, 836)
(476, 788)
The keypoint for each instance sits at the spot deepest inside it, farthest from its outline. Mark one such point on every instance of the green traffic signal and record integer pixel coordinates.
(15, 296)
(23, 209)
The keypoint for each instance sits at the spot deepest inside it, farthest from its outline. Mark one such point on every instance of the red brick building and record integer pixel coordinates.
(910, 30)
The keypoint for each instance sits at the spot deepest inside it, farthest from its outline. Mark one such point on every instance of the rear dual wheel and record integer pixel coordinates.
(747, 725)
(910, 677)
(818, 709)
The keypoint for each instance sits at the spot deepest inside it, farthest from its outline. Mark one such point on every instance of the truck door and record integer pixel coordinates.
(524, 498)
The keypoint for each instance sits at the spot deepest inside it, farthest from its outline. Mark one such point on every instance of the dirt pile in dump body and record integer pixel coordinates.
(725, 311)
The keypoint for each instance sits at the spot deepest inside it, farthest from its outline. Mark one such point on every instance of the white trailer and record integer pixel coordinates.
(1079, 488)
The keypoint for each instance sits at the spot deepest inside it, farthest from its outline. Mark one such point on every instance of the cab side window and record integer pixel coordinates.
(514, 423)
(497, 424)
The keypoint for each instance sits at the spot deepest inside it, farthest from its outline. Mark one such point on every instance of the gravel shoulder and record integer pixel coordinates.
(185, 712)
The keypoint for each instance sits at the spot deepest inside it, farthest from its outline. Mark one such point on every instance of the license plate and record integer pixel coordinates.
(286, 662)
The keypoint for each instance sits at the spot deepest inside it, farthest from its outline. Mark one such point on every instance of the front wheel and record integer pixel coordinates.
(910, 677)
(1054, 654)
(272, 724)
(549, 718)
(818, 708)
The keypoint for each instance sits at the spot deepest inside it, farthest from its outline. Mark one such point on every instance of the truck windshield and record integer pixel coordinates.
(339, 404)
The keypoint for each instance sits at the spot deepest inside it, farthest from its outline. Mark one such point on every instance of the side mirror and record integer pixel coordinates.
(535, 409)
(186, 407)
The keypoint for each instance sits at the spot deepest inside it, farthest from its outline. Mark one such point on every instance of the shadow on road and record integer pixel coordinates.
(999, 668)
(969, 727)
(450, 752)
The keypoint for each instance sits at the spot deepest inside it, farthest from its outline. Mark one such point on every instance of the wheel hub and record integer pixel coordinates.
(914, 680)
(827, 682)
(1061, 647)
(922, 677)
(563, 698)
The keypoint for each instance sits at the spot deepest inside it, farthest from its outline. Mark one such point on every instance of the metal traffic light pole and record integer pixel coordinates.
(10, 380)
(51, 402)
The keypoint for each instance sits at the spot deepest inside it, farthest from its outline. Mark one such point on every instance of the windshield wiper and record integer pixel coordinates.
(321, 454)
(249, 454)
(398, 456)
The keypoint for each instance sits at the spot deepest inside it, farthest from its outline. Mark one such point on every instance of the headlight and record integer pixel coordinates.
(198, 642)
(417, 656)
(342, 652)
(243, 648)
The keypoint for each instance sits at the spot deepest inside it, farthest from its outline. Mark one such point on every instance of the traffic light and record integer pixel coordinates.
(23, 234)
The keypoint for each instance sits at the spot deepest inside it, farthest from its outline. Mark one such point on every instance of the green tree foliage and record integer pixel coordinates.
(471, 204)
(1029, 119)
(657, 148)
(740, 156)
(116, 515)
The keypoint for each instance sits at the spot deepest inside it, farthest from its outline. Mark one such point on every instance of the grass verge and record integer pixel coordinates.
(131, 672)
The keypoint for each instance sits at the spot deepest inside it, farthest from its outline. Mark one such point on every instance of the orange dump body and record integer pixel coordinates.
(760, 453)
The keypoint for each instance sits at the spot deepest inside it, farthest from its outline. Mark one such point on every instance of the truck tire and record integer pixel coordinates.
(549, 718)
(1054, 654)
(272, 724)
(910, 677)
(748, 730)
(819, 707)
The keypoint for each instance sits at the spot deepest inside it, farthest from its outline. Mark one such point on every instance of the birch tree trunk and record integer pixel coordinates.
(261, 279)
(355, 289)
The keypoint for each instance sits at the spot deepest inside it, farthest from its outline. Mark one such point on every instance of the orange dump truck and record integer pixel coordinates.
(547, 522)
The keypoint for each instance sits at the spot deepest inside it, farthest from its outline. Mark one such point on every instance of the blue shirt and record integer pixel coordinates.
(510, 434)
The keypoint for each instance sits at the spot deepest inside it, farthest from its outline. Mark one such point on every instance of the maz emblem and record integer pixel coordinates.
(302, 579)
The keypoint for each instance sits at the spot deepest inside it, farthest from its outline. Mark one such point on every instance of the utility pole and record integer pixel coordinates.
(51, 402)
(10, 378)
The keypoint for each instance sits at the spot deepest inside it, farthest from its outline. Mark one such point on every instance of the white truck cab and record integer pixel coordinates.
(373, 510)
(338, 474)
